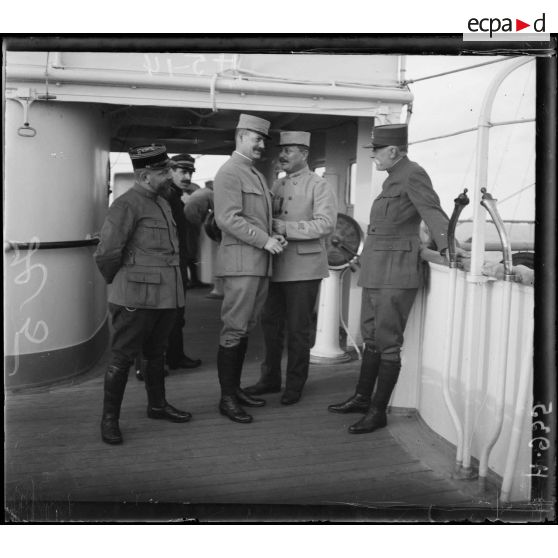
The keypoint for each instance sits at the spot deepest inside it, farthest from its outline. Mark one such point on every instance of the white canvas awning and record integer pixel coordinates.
(363, 85)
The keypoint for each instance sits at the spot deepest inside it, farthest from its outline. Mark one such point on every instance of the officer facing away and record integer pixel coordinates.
(304, 211)
(391, 271)
(138, 257)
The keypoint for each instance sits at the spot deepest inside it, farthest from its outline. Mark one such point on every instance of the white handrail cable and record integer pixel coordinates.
(456, 71)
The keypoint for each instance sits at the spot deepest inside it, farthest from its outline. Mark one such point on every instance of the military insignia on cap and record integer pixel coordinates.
(149, 156)
(146, 151)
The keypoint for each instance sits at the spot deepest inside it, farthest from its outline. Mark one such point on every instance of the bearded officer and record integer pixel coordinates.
(391, 271)
(305, 211)
(243, 213)
(138, 256)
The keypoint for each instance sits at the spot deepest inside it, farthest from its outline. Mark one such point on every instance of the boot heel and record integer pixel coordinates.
(110, 431)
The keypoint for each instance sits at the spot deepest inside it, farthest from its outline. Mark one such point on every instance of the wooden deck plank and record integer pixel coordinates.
(297, 454)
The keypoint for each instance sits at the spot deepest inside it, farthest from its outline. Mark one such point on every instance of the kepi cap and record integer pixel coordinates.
(150, 157)
(295, 138)
(389, 134)
(183, 161)
(254, 123)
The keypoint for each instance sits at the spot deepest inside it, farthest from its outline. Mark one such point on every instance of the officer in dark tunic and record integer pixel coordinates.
(182, 168)
(391, 271)
(139, 258)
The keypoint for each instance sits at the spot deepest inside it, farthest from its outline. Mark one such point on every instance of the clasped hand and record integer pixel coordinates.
(279, 226)
(275, 244)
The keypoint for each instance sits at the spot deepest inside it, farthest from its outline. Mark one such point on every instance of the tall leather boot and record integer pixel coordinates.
(360, 401)
(376, 416)
(243, 397)
(227, 370)
(157, 405)
(115, 384)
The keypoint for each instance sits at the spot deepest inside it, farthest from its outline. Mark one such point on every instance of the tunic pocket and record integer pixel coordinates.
(392, 260)
(152, 233)
(312, 247)
(143, 288)
(253, 201)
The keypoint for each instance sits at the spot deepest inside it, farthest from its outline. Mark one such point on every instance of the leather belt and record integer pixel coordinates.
(152, 260)
(399, 231)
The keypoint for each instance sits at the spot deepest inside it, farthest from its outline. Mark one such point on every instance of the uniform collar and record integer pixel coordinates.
(298, 173)
(144, 191)
(397, 165)
(176, 190)
(239, 158)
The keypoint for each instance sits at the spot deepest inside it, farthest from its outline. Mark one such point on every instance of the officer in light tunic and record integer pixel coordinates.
(391, 271)
(304, 211)
(138, 256)
(243, 213)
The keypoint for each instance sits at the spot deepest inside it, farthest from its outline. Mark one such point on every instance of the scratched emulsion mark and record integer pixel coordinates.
(34, 332)
(197, 64)
(540, 443)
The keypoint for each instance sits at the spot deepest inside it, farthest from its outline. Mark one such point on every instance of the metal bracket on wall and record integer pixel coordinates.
(25, 97)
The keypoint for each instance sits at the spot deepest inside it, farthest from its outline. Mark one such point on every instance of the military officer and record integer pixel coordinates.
(305, 211)
(139, 258)
(181, 167)
(391, 271)
(243, 213)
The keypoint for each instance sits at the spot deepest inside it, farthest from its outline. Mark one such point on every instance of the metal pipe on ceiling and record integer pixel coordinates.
(223, 84)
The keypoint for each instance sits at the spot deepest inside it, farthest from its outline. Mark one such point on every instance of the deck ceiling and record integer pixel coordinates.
(207, 132)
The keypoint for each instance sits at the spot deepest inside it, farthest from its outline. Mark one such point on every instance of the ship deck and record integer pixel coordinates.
(295, 463)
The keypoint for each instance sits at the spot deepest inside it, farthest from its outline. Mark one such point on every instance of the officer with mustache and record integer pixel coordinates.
(243, 213)
(391, 272)
(182, 169)
(304, 212)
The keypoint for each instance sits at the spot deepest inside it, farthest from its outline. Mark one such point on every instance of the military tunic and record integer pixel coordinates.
(243, 213)
(307, 205)
(138, 256)
(391, 269)
(198, 205)
(138, 252)
(175, 348)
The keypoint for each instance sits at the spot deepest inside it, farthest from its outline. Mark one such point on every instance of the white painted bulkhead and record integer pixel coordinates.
(420, 385)
(56, 188)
